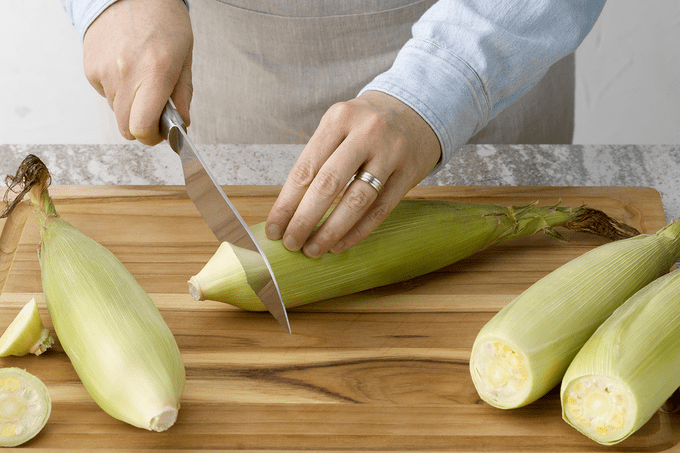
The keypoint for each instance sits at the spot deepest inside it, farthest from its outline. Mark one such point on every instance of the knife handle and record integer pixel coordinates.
(171, 121)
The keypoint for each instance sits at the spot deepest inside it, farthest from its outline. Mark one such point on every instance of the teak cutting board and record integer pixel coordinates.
(383, 370)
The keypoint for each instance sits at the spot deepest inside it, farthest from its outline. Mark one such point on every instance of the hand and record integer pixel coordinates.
(374, 132)
(137, 54)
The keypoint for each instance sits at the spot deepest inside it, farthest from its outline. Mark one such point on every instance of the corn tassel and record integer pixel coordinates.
(418, 237)
(115, 337)
(629, 367)
(525, 349)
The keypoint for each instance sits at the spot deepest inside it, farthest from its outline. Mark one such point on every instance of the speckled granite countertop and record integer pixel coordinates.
(656, 166)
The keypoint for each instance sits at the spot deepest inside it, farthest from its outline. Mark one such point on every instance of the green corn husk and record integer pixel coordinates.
(418, 237)
(115, 337)
(629, 367)
(525, 349)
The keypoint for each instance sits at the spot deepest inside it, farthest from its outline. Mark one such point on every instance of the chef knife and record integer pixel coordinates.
(215, 207)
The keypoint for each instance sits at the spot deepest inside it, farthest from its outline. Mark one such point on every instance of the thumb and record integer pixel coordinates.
(145, 112)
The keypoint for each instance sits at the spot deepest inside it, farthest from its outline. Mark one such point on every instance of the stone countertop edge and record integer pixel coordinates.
(655, 166)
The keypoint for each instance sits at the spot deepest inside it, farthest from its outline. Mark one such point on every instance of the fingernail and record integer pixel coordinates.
(337, 248)
(312, 250)
(273, 232)
(290, 243)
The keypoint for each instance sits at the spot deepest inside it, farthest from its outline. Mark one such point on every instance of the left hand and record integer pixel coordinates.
(374, 132)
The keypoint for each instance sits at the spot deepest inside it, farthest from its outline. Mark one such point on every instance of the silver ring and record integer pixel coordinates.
(370, 180)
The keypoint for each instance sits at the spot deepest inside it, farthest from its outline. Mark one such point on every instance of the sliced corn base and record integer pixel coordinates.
(24, 406)
(26, 334)
(600, 407)
(501, 372)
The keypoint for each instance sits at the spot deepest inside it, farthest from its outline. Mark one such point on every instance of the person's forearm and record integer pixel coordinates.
(470, 59)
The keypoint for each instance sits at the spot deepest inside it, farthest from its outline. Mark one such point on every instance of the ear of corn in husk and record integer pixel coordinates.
(25, 406)
(524, 350)
(418, 237)
(26, 334)
(629, 366)
(115, 337)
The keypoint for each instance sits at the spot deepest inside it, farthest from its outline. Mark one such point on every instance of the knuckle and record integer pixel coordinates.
(400, 142)
(124, 67)
(376, 122)
(378, 213)
(283, 216)
(302, 175)
(281, 212)
(339, 112)
(300, 225)
(327, 184)
(358, 233)
(329, 234)
(159, 59)
(92, 74)
(374, 217)
(357, 200)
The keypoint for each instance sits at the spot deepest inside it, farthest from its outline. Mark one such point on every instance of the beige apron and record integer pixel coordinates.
(265, 71)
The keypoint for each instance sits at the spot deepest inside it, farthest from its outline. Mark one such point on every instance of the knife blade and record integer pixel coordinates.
(216, 208)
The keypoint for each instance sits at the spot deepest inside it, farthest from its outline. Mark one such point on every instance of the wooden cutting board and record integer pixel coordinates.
(383, 370)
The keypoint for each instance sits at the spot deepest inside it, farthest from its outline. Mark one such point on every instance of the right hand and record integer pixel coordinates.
(137, 54)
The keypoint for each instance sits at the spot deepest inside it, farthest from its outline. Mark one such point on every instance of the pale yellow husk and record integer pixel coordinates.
(524, 350)
(117, 340)
(629, 367)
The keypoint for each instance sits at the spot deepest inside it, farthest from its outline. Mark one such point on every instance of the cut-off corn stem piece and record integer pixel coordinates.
(26, 334)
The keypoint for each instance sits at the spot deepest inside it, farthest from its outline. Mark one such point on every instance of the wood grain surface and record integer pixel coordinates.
(383, 370)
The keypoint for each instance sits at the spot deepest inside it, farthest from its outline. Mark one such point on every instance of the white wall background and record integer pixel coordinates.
(627, 92)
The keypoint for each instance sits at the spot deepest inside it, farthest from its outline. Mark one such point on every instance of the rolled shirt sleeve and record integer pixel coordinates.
(84, 12)
(470, 59)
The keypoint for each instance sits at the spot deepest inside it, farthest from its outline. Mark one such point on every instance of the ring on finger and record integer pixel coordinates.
(370, 180)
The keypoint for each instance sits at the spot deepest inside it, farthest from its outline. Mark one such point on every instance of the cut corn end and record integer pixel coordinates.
(26, 334)
(600, 407)
(43, 344)
(499, 373)
(195, 288)
(25, 406)
(164, 420)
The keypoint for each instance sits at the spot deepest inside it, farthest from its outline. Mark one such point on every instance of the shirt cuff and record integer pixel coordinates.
(442, 88)
(83, 13)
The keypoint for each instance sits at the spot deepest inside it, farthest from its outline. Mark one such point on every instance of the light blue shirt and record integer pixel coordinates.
(468, 59)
